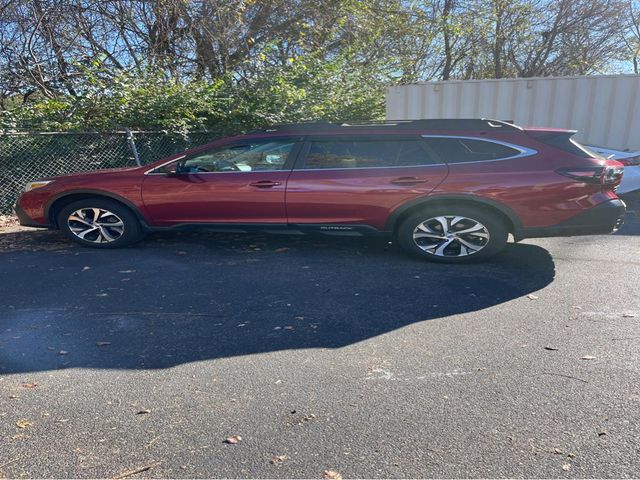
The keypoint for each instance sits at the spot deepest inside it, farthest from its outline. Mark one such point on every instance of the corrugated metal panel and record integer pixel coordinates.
(604, 109)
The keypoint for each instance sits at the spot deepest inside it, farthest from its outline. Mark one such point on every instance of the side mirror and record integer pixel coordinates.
(173, 169)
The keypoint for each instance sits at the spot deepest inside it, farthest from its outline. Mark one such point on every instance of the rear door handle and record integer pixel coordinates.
(408, 181)
(265, 184)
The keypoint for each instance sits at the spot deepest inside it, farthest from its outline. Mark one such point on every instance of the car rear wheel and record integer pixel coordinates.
(100, 223)
(453, 234)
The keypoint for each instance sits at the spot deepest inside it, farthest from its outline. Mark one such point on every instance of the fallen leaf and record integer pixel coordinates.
(233, 439)
(12, 396)
(577, 307)
(628, 315)
(309, 417)
(23, 423)
(531, 296)
(557, 451)
(283, 249)
(331, 475)
(84, 269)
(587, 357)
(553, 349)
(602, 434)
(142, 412)
(63, 352)
(102, 344)
(30, 385)
(566, 467)
(277, 459)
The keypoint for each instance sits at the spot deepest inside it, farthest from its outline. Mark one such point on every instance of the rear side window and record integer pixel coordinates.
(461, 150)
(365, 154)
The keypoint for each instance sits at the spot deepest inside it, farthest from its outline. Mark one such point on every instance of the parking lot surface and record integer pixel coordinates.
(321, 353)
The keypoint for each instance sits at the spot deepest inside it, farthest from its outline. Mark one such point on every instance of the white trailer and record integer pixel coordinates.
(604, 109)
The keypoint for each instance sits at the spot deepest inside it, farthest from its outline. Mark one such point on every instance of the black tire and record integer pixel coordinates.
(492, 223)
(131, 231)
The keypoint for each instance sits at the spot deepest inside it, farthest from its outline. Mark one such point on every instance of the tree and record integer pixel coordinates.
(631, 37)
(286, 57)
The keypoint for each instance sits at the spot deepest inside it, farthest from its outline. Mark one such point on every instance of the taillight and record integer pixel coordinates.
(629, 162)
(612, 175)
(607, 175)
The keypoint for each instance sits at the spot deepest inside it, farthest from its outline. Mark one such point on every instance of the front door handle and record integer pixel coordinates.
(265, 184)
(408, 181)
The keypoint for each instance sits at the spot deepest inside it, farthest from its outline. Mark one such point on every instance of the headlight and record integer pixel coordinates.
(37, 184)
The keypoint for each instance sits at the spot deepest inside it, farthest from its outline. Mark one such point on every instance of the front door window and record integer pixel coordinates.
(245, 157)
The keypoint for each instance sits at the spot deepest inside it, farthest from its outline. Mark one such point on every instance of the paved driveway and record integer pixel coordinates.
(322, 354)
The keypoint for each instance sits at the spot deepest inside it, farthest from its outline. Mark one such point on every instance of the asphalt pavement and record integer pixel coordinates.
(322, 354)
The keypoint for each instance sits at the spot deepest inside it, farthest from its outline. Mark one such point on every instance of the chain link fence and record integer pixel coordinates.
(25, 157)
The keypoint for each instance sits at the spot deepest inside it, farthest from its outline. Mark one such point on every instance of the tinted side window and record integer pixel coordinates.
(365, 154)
(245, 157)
(459, 150)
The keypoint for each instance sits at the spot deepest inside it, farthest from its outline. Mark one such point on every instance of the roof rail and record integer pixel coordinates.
(422, 124)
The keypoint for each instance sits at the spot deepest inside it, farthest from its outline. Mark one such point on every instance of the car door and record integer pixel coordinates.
(359, 180)
(238, 183)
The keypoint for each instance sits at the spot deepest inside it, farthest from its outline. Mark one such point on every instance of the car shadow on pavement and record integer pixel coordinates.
(178, 298)
(632, 220)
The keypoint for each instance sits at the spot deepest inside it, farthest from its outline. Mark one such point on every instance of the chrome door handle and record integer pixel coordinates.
(265, 184)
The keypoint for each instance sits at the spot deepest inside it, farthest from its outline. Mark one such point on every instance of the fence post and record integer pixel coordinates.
(132, 144)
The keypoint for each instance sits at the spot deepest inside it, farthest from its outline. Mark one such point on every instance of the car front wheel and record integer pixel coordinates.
(455, 234)
(100, 223)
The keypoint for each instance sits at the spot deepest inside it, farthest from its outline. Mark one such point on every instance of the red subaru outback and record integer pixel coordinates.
(446, 190)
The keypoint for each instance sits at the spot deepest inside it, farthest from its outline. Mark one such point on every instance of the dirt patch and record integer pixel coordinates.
(15, 238)
(9, 223)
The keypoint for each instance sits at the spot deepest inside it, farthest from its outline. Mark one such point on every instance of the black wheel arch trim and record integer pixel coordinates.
(424, 201)
(99, 193)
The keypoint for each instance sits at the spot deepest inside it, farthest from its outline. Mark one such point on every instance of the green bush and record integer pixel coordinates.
(300, 90)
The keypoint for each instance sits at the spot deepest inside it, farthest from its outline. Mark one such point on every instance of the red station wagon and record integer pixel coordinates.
(448, 190)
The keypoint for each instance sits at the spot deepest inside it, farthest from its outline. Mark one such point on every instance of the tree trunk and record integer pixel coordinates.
(448, 55)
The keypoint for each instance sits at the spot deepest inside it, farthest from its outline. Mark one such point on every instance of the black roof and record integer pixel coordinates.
(423, 124)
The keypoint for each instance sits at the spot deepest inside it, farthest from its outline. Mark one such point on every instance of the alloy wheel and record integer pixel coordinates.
(96, 225)
(451, 236)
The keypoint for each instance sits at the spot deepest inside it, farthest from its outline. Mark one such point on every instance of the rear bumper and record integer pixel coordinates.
(606, 217)
(25, 220)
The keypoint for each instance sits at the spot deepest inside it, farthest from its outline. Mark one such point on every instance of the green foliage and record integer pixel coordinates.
(301, 89)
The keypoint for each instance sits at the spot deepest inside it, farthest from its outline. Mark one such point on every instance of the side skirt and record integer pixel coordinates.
(287, 229)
